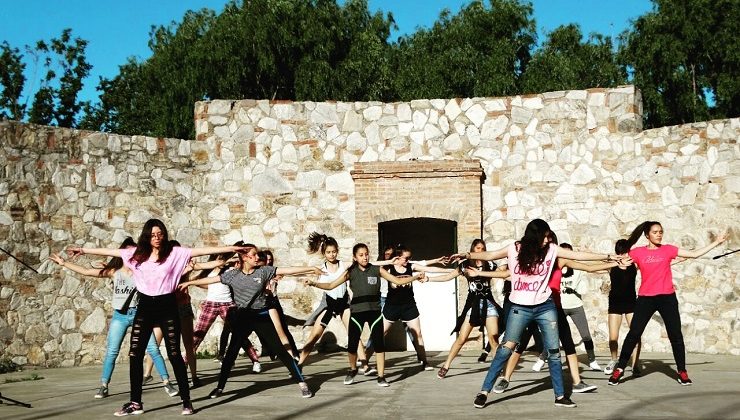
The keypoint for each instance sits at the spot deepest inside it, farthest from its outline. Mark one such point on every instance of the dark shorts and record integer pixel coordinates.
(334, 307)
(621, 307)
(404, 312)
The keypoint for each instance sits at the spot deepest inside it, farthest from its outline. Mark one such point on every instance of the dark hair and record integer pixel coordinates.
(400, 249)
(355, 250)
(622, 246)
(262, 257)
(641, 230)
(381, 255)
(319, 242)
(476, 242)
(225, 256)
(268, 253)
(531, 251)
(116, 263)
(569, 272)
(144, 248)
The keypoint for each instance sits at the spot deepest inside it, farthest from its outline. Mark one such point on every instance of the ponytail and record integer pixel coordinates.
(317, 242)
(641, 230)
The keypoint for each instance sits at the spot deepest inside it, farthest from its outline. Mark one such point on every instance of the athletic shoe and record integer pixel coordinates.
(616, 376)
(170, 389)
(217, 392)
(359, 362)
(537, 366)
(368, 371)
(610, 367)
(583, 387)
(256, 367)
(482, 358)
(147, 379)
(305, 392)
(683, 378)
(130, 408)
(501, 386)
(382, 382)
(102, 392)
(442, 372)
(594, 366)
(425, 366)
(565, 402)
(350, 378)
(196, 382)
(187, 408)
(480, 400)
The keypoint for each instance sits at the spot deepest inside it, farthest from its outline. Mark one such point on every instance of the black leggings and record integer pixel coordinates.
(357, 320)
(152, 311)
(645, 307)
(243, 322)
(566, 339)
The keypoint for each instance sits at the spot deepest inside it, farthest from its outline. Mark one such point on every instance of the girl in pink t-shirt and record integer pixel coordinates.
(156, 266)
(656, 293)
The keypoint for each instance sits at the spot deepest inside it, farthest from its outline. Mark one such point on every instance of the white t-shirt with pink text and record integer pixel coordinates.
(155, 279)
(530, 289)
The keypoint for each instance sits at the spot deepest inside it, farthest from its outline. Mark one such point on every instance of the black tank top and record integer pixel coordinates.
(400, 295)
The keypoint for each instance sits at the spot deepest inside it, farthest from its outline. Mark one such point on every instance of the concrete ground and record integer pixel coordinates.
(413, 394)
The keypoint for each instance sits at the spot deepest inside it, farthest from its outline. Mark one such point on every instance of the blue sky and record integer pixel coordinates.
(117, 30)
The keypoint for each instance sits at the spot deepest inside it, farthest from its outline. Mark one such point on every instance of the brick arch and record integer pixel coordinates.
(447, 189)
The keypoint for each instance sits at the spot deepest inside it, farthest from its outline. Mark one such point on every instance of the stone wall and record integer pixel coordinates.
(272, 172)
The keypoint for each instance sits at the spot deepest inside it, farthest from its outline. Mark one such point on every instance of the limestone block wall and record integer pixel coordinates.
(272, 172)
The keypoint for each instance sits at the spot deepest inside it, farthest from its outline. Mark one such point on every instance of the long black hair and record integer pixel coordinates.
(569, 272)
(144, 247)
(317, 242)
(116, 263)
(355, 250)
(531, 251)
(641, 230)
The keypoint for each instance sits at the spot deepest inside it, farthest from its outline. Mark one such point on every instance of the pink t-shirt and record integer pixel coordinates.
(154, 279)
(655, 269)
(531, 289)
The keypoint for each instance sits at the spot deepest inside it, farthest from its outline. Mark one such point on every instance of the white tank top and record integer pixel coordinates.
(339, 291)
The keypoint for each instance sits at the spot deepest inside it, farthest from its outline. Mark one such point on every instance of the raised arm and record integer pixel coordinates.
(92, 272)
(696, 253)
(74, 251)
(327, 286)
(400, 281)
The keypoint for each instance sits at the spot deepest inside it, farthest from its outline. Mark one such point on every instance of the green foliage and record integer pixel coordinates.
(565, 62)
(7, 365)
(12, 80)
(679, 53)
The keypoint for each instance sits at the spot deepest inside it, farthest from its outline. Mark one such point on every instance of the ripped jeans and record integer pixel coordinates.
(156, 310)
(546, 317)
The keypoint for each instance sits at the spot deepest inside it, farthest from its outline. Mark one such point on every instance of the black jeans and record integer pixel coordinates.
(243, 322)
(645, 307)
(162, 311)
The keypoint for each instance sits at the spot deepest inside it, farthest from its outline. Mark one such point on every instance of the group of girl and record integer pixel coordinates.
(153, 267)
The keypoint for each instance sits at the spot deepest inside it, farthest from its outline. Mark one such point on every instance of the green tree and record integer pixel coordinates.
(481, 51)
(565, 62)
(682, 55)
(12, 81)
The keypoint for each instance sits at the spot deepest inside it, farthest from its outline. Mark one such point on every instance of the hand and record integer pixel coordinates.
(422, 277)
(318, 271)
(57, 259)
(723, 237)
(458, 257)
(189, 267)
(309, 282)
(74, 251)
(624, 261)
(183, 286)
(471, 272)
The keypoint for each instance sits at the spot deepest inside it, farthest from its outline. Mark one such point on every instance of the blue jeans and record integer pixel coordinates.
(546, 317)
(117, 328)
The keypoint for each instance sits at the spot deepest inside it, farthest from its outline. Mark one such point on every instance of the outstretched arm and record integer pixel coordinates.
(74, 251)
(92, 272)
(197, 252)
(327, 286)
(445, 277)
(417, 267)
(400, 281)
(696, 253)
(498, 274)
(199, 282)
(291, 271)
(592, 268)
(585, 256)
(485, 256)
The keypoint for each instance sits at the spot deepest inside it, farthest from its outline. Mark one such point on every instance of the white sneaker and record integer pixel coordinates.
(256, 367)
(610, 367)
(594, 366)
(537, 366)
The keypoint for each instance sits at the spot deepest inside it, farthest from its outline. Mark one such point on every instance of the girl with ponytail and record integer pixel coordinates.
(657, 293)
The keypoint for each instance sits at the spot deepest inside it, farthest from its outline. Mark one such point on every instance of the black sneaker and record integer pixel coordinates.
(129, 409)
(482, 358)
(350, 377)
(148, 379)
(217, 392)
(616, 376)
(102, 392)
(382, 382)
(565, 402)
(683, 378)
(425, 366)
(480, 400)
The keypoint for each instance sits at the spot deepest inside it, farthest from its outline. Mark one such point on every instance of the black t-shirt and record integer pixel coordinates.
(400, 295)
(623, 284)
(480, 284)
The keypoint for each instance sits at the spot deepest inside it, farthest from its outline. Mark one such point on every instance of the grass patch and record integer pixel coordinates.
(205, 355)
(31, 377)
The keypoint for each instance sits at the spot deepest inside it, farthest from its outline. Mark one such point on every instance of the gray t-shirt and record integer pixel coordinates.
(123, 286)
(249, 288)
(365, 285)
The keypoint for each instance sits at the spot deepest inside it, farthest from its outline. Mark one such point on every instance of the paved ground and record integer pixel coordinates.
(413, 394)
